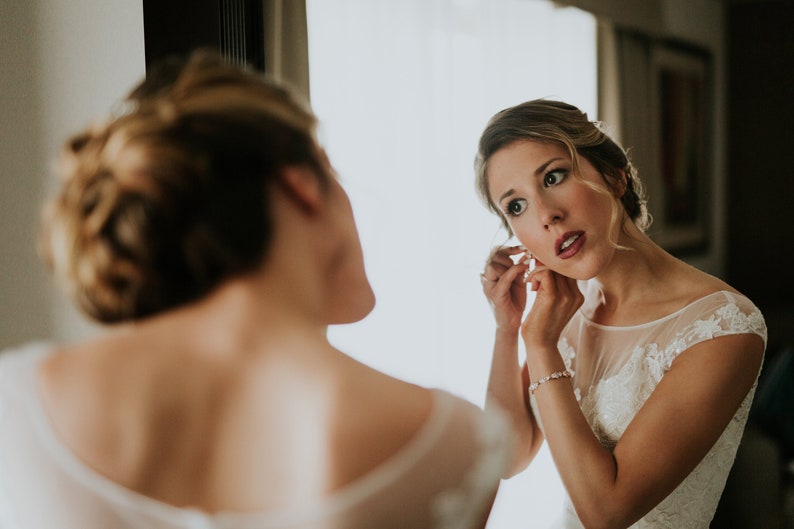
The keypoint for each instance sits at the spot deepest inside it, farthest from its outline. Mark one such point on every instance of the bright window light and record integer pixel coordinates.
(403, 90)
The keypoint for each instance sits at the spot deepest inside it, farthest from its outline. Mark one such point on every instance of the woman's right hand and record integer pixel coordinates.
(504, 285)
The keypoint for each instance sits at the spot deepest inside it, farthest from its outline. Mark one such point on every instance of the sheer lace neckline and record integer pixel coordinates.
(655, 322)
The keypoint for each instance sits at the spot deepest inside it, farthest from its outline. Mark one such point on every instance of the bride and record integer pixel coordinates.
(640, 369)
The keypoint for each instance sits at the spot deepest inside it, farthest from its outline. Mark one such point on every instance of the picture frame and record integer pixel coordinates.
(681, 198)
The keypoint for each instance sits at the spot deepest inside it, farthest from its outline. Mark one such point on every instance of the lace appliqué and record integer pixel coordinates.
(611, 404)
(568, 354)
(462, 507)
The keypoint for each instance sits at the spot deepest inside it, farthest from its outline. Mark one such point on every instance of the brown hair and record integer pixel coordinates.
(556, 122)
(164, 201)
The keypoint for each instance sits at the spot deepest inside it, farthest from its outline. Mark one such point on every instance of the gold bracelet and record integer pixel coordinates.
(553, 376)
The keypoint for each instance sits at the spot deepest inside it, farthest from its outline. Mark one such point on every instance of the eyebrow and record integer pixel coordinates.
(540, 170)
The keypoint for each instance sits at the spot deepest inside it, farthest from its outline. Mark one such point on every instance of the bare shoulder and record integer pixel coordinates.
(693, 283)
(86, 404)
(743, 351)
(71, 383)
(378, 415)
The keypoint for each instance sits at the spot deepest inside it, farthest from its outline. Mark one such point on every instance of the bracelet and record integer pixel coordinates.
(553, 376)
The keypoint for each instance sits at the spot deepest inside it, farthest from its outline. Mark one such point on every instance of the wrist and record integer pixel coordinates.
(507, 330)
(543, 360)
(556, 375)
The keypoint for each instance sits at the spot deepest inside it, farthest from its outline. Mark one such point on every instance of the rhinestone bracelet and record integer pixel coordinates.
(553, 376)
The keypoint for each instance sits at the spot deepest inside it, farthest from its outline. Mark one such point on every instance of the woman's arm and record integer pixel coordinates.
(507, 390)
(676, 427)
(504, 286)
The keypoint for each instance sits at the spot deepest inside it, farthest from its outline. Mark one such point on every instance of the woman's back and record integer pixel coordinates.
(279, 442)
(130, 408)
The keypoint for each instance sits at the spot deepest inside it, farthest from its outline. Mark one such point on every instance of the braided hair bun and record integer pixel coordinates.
(165, 200)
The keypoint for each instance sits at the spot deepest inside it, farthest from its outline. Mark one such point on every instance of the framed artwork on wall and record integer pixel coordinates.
(681, 197)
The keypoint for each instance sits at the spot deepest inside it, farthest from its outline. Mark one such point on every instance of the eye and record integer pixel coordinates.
(552, 178)
(516, 207)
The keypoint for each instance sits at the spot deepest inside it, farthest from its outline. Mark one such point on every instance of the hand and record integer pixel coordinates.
(504, 285)
(557, 299)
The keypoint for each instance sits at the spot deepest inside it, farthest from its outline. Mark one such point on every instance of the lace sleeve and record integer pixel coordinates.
(734, 315)
(446, 479)
(462, 504)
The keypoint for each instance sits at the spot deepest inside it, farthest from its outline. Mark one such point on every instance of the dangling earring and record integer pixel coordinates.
(529, 260)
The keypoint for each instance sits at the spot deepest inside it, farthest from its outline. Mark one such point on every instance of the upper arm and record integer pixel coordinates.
(683, 417)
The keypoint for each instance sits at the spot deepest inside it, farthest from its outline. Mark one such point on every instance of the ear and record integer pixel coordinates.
(303, 186)
(619, 185)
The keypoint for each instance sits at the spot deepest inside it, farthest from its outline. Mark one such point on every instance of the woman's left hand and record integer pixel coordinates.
(556, 301)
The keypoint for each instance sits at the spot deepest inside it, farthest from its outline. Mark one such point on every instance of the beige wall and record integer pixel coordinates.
(23, 300)
(61, 63)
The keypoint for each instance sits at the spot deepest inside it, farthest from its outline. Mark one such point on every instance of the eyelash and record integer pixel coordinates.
(562, 173)
(508, 210)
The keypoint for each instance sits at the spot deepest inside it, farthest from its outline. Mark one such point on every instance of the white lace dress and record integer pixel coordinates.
(442, 479)
(622, 367)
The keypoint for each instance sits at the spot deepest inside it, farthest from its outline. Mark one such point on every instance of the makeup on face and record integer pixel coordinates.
(569, 244)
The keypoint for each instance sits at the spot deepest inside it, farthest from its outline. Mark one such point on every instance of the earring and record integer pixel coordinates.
(529, 260)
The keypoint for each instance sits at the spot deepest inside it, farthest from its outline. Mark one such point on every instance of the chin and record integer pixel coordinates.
(578, 273)
(353, 310)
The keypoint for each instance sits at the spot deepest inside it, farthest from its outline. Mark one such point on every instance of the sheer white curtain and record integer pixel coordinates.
(403, 90)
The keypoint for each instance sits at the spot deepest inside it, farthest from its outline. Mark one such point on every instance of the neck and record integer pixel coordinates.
(253, 314)
(635, 273)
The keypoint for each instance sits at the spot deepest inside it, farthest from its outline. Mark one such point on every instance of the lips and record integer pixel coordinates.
(569, 244)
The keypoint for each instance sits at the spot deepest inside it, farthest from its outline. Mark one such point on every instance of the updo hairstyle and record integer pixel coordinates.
(164, 201)
(555, 122)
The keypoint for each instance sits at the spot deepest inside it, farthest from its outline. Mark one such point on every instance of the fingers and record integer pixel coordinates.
(550, 281)
(557, 300)
(503, 254)
(555, 290)
(499, 261)
(506, 291)
(534, 276)
(498, 280)
(507, 250)
(506, 281)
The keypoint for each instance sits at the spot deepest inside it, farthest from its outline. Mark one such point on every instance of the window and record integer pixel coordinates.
(402, 91)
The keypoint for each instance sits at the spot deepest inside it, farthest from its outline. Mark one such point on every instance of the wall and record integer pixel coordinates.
(23, 312)
(753, 47)
(698, 23)
(760, 158)
(62, 63)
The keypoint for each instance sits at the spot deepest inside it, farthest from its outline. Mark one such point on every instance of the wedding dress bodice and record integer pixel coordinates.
(615, 370)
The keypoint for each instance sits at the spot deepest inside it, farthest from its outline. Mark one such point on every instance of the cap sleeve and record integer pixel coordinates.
(720, 315)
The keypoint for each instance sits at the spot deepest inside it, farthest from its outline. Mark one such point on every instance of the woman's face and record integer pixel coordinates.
(562, 221)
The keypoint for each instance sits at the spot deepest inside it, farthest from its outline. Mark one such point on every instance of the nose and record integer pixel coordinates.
(549, 214)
